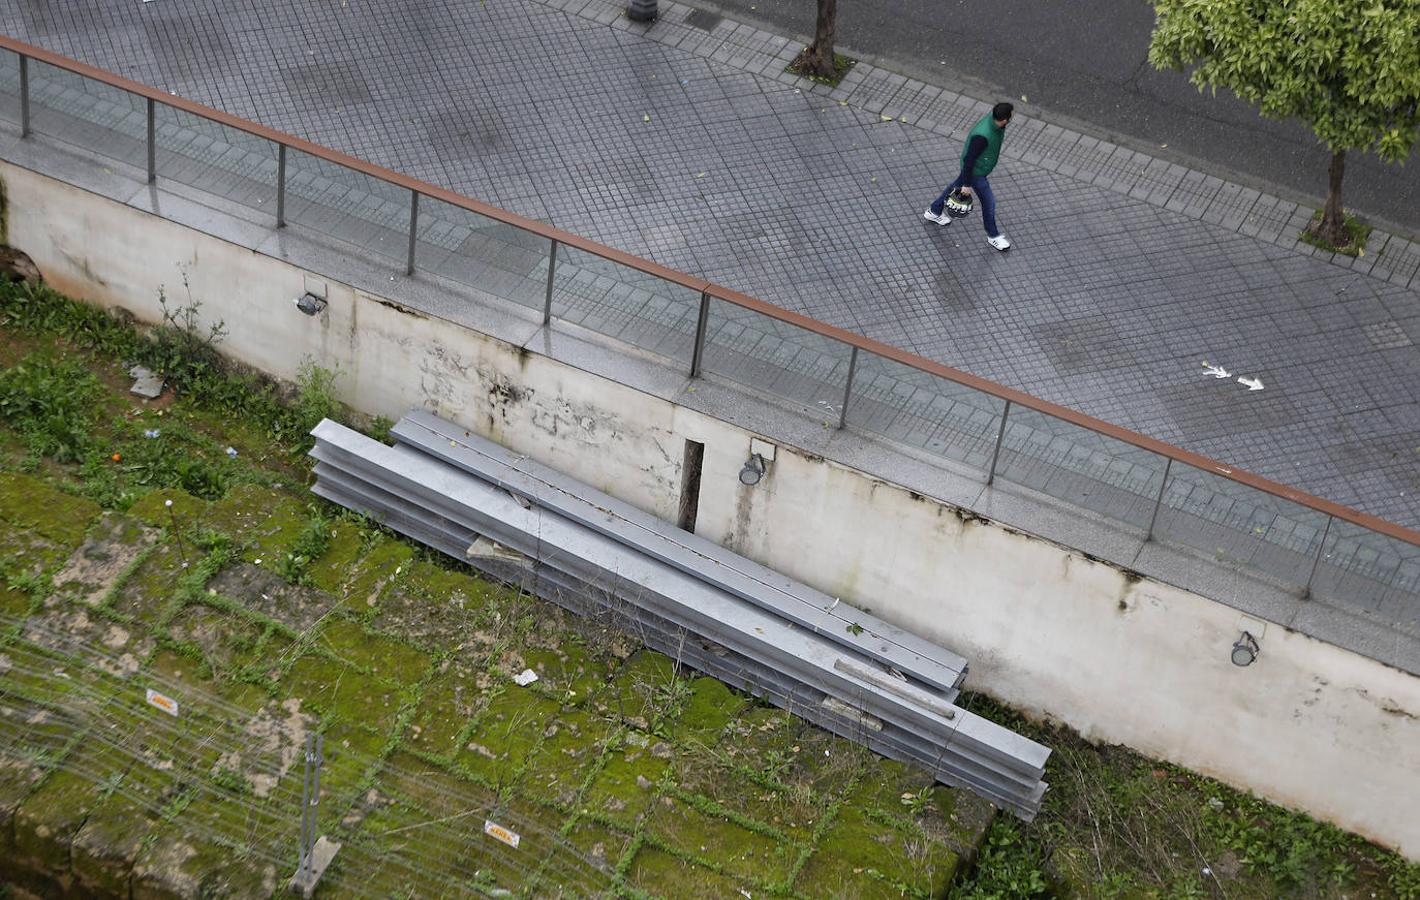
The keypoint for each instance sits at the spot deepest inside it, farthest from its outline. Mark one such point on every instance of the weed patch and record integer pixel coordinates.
(52, 404)
(1357, 233)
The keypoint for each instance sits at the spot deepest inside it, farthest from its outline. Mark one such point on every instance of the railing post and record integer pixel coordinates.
(280, 185)
(1000, 434)
(152, 142)
(1158, 501)
(700, 334)
(24, 96)
(301, 864)
(848, 388)
(551, 273)
(1316, 561)
(413, 228)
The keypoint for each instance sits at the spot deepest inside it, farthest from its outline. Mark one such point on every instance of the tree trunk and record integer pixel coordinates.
(817, 58)
(1332, 227)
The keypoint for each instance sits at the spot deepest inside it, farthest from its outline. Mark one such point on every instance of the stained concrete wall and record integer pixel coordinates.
(1120, 658)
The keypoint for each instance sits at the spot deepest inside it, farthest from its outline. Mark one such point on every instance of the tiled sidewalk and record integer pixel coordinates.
(686, 143)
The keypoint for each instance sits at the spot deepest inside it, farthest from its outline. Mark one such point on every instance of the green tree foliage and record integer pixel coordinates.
(1349, 69)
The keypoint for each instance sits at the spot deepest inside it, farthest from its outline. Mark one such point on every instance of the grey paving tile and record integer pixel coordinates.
(1194, 194)
(1121, 170)
(876, 90)
(1399, 263)
(1055, 144)
(1157, 182)
(912, 102)
(1085, 158)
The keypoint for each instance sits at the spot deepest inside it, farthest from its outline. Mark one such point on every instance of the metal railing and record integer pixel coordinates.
(1236, 519)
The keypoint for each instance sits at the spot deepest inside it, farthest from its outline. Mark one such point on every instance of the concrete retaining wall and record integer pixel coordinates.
(1119, 658)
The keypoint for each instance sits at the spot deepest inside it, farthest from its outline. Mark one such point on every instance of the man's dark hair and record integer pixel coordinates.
(1001, 112)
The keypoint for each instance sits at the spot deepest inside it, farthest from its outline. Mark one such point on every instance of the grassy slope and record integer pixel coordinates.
(269, 614)
(636, 776)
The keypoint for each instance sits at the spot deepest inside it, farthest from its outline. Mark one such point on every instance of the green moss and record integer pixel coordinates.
(625, 788)
(40, 526)
(447, 703)
(150, 589)
(339, 691)
(263, 521)
(664, 875)
(638, 694)
(570, 674)
(763, 742)
(507, 731)
(464, 852)
(105, 848)
(416, 795)
(890, 850)
(570, 744)
(750, 854)
(1357, 233)
(109, 555)
(598, 844)
(187, 511)
(179, 863)
(174, 669)
(37, 506)
(330, 570)
(841, 67)
(442, 585)
(27, 560)
(48, 819)
(29, 747)
(227, 643)
(385, 559)
(49, 680)
(391, 660)
(349, 749)
(434, 606)
(824, 764)
(12, 602)
(796, 813)
(711, 706)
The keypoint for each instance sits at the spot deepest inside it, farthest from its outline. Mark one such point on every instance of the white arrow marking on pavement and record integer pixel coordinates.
(1253, 384)
(1215, 371)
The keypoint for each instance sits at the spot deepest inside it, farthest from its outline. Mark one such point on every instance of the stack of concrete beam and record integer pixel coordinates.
(710, 609)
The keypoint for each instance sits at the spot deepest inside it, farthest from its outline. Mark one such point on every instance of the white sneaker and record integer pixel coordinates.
(999, 242)
(943, 219)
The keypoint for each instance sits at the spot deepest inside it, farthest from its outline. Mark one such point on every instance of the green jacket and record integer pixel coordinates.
(987, 128)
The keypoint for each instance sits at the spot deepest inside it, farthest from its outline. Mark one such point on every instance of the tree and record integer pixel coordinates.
(1348, 69)
(817, 58)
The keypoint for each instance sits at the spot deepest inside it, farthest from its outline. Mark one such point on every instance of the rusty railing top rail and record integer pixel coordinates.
(701, 285)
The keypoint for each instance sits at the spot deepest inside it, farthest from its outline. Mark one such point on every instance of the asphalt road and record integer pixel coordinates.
(1083, 64)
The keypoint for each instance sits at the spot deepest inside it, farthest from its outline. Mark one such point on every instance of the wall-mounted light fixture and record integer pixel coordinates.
(753, 470)
(1245, 650)
(310, 304)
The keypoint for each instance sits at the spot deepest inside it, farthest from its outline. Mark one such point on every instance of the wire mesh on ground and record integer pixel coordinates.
(71, 706)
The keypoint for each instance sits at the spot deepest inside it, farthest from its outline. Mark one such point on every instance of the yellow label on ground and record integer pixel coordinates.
(163, 701)
(492, 828)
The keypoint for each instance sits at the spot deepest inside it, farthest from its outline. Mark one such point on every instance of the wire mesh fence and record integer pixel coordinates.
(224, 780)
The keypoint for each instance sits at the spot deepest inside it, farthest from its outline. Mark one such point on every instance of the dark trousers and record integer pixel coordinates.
(982, 188)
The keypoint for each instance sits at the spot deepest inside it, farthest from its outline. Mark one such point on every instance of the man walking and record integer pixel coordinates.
(978, 158)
